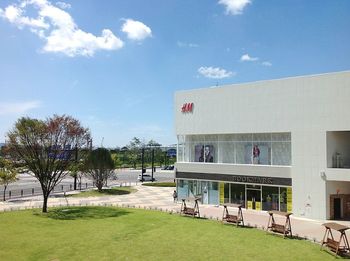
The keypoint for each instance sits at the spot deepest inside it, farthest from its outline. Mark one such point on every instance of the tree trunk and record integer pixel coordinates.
(45, 202)
(75, 182)
(5, 187)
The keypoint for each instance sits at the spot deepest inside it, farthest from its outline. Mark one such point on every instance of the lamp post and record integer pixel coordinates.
(152, 163)
(76, 162)
(142, 162)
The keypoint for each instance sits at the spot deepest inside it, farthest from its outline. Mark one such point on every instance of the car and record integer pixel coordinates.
(170, 167)
(146, 177)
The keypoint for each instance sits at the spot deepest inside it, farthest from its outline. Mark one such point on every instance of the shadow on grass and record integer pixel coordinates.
(73, 213)
(114, 191)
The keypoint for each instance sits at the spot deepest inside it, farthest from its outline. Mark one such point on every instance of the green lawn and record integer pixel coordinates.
(105, 192)
(107, 233)
(160, 184)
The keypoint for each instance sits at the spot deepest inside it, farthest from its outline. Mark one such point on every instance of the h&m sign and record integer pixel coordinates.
(187, 107)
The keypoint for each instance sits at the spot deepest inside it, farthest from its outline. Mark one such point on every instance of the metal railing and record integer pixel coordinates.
(36, 191)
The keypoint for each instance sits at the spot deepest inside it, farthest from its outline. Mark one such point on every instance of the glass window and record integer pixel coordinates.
(283, 199)
(227, 152)
(227, 193)
(250, 148)
(281, 153)
(237, 194)
(213, 193)
(270, 198)
(261, 153)
(182, 189)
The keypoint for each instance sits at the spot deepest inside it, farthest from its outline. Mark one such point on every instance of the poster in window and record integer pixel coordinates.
(204, 153)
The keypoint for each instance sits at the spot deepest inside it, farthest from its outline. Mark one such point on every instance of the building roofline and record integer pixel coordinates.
(265, 81)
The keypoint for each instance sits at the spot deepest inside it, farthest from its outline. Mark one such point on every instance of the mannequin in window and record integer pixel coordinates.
(256, 155)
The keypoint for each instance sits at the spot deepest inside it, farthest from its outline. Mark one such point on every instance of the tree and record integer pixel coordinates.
(77, 172)
(100, 166)
(46, 148)
(117, 160)
(8, 174)
(134, 149)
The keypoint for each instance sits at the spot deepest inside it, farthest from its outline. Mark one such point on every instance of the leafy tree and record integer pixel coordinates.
(46, 147)
(8, 174)
(77, 171)
(100, 166)
(117, 158)
(134, 149)
(153, 143)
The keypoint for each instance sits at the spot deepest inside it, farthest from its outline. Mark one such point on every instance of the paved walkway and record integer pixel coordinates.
(161, 199)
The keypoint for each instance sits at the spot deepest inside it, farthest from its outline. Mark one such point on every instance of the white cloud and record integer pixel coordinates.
(63, 5)
(18, 107)
(266, 63)
(247, 58)
(136, 30)
(215, 72)
(234, 7)
(14, 14)
(183, 44)
(58, 29)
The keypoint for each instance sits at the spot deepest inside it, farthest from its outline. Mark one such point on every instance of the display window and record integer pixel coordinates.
(270, 198)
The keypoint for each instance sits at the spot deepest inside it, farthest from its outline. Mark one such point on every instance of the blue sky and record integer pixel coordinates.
(115, 65)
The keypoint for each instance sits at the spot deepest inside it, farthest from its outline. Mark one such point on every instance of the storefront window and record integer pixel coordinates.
(237, 194)
(182, 189)
(283, 199)
(270, 198)
(258, 148)
(213, 193)
(227, 193)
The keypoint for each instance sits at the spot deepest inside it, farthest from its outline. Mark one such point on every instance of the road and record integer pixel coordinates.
(29, 185)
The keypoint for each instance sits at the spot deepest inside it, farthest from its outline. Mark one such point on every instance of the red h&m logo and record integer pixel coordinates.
(187, 107)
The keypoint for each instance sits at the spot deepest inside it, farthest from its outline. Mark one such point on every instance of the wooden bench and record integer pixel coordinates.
(190, 211)
(285, 229)
(338, 247)
(230, 218)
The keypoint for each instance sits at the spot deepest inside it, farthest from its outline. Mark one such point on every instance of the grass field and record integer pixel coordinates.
(105, 192)
(106, 233)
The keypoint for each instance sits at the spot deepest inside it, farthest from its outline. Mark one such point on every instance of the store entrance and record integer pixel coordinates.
(337, 208)
(253, 199)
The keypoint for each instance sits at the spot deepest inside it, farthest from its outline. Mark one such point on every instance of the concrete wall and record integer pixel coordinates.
(306, 106)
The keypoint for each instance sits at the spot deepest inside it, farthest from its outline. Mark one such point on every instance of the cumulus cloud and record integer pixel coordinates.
(58, 29)
(234, 7)
(266, 63)
(63, 5)
(7, 108)
(247, 58)
(136, 30)
(215, 72)
(183, 44)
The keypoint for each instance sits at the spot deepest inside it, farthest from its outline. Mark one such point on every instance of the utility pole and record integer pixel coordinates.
(152, 162)
(142, 161)
(76, 162)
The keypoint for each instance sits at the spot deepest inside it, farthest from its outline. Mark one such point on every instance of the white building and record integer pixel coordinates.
(278, 144)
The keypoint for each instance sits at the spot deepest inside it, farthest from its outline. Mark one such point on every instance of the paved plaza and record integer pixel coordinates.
(161, 199)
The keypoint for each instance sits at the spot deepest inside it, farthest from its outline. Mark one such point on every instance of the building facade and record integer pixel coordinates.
(270, 145)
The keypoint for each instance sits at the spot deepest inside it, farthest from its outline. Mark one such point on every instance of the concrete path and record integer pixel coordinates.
(161, 199)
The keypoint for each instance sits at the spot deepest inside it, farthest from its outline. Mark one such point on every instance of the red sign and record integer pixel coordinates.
(187, 107)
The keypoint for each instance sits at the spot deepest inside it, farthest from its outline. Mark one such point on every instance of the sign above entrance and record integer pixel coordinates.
(187, 107)
(235, 178)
